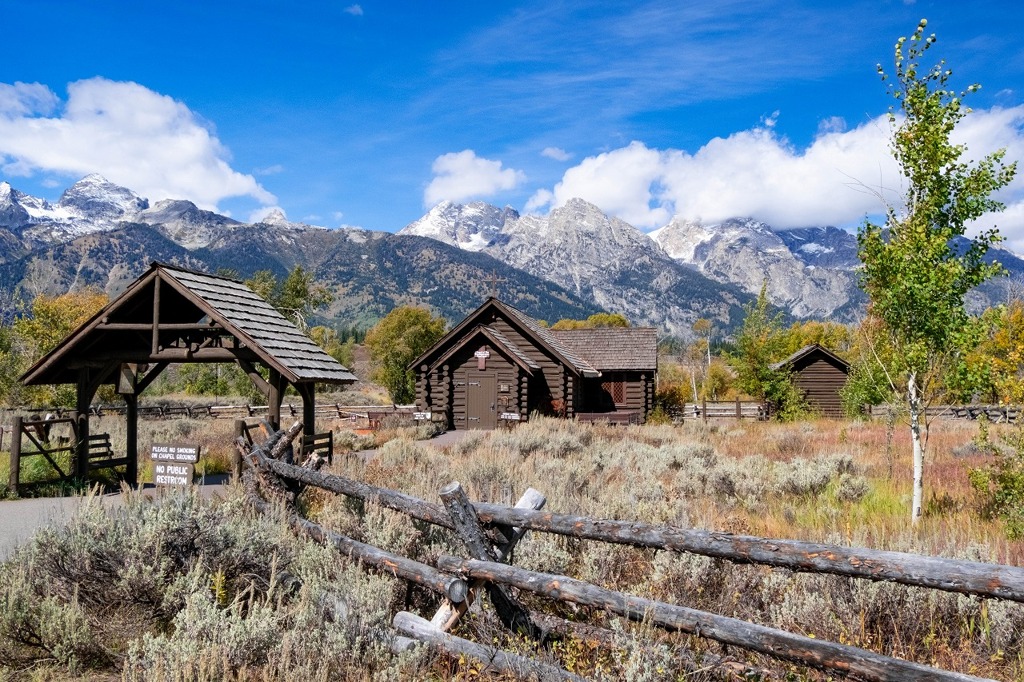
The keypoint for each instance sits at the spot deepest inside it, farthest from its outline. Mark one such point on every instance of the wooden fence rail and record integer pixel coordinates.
(788, 646)
(485, 527)
(951, 575)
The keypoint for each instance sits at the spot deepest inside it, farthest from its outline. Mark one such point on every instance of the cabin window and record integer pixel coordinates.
(614, 385)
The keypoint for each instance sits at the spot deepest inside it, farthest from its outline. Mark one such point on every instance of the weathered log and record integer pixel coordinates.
(950, 575)
(493, 659)
(453, 588)
(430, 512)
(806, 651)
(460, 510)
(448, 613)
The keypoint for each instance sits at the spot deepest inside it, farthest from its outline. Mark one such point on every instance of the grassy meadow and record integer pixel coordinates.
(181, 589)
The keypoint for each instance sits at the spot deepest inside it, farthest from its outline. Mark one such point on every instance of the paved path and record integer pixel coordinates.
(20, 519)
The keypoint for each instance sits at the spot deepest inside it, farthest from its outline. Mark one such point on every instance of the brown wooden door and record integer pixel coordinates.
(481, 401)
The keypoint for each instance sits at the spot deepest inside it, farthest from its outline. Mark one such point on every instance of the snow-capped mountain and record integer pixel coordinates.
(471, 227)
(597, 257)
(185, 223)
(749, 253)
(577, 258)
(93, 204)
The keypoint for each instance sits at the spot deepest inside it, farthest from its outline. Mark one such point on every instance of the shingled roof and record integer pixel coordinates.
(179, 302)
(613, 348)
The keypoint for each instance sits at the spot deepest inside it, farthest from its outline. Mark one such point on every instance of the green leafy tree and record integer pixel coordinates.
(915, 277)
(760, 342)
(398, 339)
(595, 321)
(33, 335)
(296, 297)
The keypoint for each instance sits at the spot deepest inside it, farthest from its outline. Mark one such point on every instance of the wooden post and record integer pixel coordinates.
(82, 399)
(236, 457)
(308, 393)
(739, 410)
(155, 340)
(274, 398)
(131, 401)
(704, 408)
(15, 477)
(462, 514)
(448, 614)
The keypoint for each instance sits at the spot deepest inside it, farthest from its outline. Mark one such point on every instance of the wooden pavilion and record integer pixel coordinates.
(172, 315)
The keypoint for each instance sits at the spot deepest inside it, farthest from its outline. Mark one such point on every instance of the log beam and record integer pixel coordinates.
(950, 575)
(788, 646)
(494, 660)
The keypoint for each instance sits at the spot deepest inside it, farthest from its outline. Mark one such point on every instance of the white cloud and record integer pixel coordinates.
(839, 178)
(261, 213)
(126, 132)
(269, 170)
(354, 10)
(461, 176)
(26, 99)
(556, 153)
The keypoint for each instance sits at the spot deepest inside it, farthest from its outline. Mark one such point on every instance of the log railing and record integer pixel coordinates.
(489, 532)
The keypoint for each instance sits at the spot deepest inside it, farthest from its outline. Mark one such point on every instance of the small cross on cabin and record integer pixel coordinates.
(494, 281)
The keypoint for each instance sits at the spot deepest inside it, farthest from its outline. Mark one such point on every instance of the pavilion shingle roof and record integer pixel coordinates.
(264, 325)
(226, 303)
(613, 348)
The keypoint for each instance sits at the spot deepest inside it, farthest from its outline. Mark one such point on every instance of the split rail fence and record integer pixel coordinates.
(490, 531)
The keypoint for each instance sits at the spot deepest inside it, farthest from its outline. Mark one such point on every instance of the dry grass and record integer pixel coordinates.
(822, 480)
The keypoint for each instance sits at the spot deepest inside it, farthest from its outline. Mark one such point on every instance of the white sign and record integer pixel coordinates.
(481, 354)
(420, 415)
(510, 416)
(174, 453)
(170, 473)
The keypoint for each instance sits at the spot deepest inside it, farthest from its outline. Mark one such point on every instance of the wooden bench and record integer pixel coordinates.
(613, 418)
(320, 444)
(101, 454)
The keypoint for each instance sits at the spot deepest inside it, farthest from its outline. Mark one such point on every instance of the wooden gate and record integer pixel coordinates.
(43, 442)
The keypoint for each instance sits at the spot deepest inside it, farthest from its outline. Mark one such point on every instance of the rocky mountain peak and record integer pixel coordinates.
(471, 227)
(97, 198)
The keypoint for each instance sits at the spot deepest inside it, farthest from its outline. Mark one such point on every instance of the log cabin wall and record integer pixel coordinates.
(820, 380)
(552, 387)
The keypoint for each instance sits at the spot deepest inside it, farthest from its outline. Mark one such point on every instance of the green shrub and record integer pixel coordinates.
(1000, 486)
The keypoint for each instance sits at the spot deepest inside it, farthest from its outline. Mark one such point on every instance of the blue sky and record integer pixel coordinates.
(367, 114)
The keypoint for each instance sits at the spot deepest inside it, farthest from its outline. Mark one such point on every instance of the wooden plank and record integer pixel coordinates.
(799, 649)
(494, 660)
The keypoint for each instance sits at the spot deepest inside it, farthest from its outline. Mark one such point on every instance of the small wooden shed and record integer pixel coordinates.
(499, 365)
(172, 315)
(820, 374)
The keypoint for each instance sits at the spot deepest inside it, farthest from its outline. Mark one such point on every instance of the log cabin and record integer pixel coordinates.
(819, 374)
(499, 366)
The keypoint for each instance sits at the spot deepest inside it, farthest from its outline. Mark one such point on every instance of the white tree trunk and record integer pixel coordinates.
(914, 400)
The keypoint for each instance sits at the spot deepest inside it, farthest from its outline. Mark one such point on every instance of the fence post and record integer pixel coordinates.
(467, 526)
(236, 456)
(12, 483)
(704, 408)
(739, 410)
